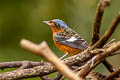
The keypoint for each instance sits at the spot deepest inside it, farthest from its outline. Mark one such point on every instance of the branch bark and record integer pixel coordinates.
(108, 33)
(113, 74)
(97, 59)
(15, 64)
(98, 18)
(44, 50)
(105, 38)
(45, 67)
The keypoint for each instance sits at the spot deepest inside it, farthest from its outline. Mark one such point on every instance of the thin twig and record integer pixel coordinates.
(113, 75)
(108, 33)
(109, 66)
(98, 18)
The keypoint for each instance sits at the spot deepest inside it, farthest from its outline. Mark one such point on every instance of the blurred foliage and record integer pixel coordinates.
(23, 19)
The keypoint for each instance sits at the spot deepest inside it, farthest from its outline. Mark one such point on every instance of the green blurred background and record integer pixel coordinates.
(23, 19)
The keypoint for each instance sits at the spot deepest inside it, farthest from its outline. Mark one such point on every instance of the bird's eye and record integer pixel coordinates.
(55, 24)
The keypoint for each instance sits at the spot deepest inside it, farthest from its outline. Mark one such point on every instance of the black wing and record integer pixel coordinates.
(78, 43)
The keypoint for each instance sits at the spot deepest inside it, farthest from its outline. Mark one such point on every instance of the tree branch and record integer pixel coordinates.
(15, 64)
(105, 38)
(108, 33)
(113, 74)
(98, 18)
(44, 50)
(97, 59)
(28, 73)
(108, 66)
(47, 68)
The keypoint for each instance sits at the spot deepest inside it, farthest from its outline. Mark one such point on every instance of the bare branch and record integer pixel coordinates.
(96, 27)
(28, 73)
(97, 59)
(95, 76)
(98, 18)
(45, 67)
(41, 70)
(15, 64)
(44, 50)
(105, 38)
(113, 75)
(109, 32)
(109, 66)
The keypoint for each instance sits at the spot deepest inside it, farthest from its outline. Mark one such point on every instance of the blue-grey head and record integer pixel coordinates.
(56, 23)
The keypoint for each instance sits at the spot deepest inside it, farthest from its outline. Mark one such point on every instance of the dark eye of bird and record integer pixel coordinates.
(56, 24)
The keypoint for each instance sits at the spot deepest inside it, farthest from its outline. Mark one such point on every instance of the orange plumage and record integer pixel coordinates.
(66, 49)
(61, 47)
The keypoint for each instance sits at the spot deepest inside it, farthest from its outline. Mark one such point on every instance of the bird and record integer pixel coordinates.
(66, 39)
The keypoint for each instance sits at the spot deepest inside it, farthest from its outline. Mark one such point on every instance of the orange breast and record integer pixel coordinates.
(67, 49)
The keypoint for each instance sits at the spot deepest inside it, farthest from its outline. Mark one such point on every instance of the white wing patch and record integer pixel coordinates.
(72, 39)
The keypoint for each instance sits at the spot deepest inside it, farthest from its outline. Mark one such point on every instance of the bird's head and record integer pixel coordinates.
(56, 25)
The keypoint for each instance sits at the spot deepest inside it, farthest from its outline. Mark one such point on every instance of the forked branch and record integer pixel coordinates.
(44, 50)
(98, 18)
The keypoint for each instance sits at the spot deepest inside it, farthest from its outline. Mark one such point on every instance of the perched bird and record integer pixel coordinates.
(66, 39)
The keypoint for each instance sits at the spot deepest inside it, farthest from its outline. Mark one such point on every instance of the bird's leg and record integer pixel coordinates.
(63, 56)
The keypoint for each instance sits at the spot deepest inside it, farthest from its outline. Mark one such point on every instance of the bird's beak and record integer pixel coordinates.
(46, 22)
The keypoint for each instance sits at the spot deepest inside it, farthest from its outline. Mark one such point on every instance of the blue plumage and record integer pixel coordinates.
(62, 23)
